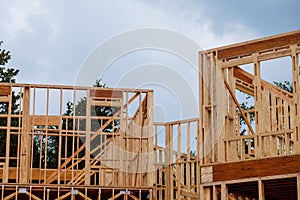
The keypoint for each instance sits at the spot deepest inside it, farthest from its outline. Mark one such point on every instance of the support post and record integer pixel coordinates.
(88, 140)
(150, 147)
(224, 191)
(261, 190)
(258, 107)
(6, 164)
(169, 154)
(298, 186)
(24, 147)
(296, 96)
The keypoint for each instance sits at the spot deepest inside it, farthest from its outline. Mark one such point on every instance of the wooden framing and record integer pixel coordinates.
(56, 145)
(75, 147)
(253, 139)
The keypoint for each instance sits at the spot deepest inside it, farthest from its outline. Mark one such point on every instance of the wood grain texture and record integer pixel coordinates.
(257, 168)
(259, 45)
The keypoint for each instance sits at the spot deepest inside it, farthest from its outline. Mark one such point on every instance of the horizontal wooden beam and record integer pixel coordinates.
(41, 120)
(5, 90)
(257, 168)
(259, 45)
(108, 93)
(247, 78)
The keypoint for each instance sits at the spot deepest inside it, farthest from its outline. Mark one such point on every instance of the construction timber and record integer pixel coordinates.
(54, 144)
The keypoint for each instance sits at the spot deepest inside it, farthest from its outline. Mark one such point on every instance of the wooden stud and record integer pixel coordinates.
(298, 186)
(261, 190)
(224, 192)
(24, 165)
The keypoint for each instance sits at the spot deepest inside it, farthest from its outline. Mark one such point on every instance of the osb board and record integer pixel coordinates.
(38, 120)
(257, 168)
(106, 93)
(5, 90)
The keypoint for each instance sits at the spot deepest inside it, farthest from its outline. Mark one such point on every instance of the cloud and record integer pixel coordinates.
(49, 40)
(62, 33)
(16, 13)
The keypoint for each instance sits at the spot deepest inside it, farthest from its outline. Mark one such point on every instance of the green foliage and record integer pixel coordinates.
(68, 126)
(7, 75)
(4, 55)
(39, 152)
(80, 110)
(286, 85)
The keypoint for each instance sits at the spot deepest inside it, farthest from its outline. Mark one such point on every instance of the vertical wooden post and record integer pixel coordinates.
(88, 139)
(220, 130)
(188, 158)
(6, 164)
(205, 193)
(122, 149)
(296, 96)
(224, 191)
(178, 160)
(24, 148)
(212, 93)
(150, 146)
(230, 123)
(261, 190)
(198, 158)
(257, 99)
(298, 186)
(200, 147)
(215, 193)
(99, 194)
(169, 167)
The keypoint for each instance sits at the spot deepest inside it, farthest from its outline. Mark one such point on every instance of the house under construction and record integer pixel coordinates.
(106, 146)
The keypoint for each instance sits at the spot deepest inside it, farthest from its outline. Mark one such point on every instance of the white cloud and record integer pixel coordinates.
(18, 15)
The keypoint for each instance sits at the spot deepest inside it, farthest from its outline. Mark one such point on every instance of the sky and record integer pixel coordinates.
(50, 41)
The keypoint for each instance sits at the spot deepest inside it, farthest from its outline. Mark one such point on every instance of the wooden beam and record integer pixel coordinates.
(108, 93)
(41, 120)
(64, 196)
(239, 107)
(5, 90)
(298, 186)
(261, 190)
(83, 196)
(258, 45)
(10, 196)
(190, 194)
(248, 78)
(256, 168)
(31, 196)
(26, 129)
(224, 191)
(115, 196)
(169, 167)
(133, 197)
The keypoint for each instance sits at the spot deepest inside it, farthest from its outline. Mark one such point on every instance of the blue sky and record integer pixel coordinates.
(46, 36)
(50, 40)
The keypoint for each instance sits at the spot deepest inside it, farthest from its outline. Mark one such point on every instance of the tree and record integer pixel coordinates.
(8, 75)
(285, 85)
(71, 124)
(80, 110)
